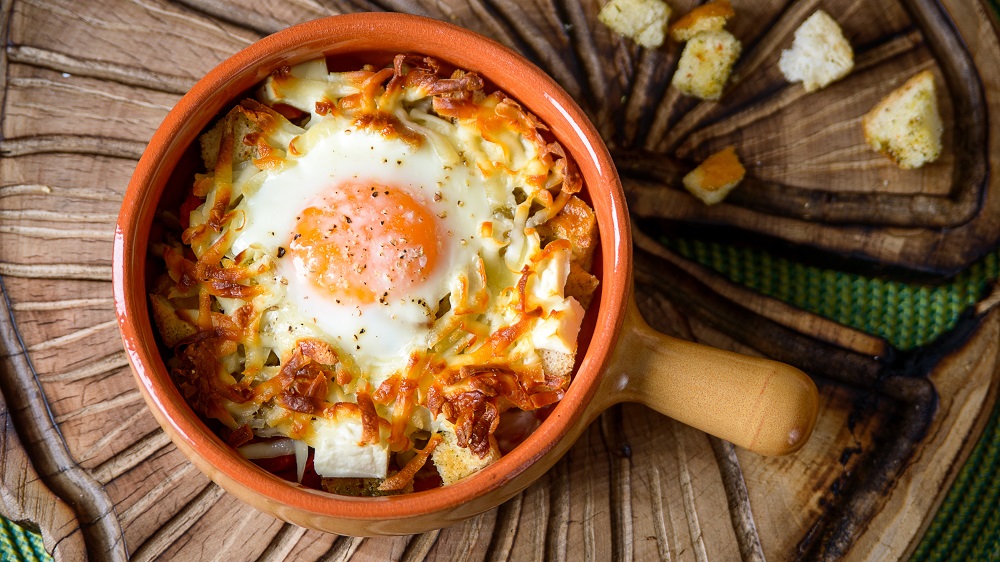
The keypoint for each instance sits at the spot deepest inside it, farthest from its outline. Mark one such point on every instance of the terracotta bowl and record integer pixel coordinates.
(765, 406)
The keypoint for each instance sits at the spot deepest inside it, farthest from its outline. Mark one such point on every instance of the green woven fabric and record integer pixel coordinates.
(967, 525)
(907, 315)
(18, 543)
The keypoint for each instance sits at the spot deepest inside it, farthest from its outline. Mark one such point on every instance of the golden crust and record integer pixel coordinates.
(577, 223)
(367, 487)
(906, 125)
(172, 328)
(707, 17)
(714, 178)
(706, 63)
(455, 462)
(580, 284)
(236, 123)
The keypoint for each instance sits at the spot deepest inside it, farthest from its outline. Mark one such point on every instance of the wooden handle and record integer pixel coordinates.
(758, 404)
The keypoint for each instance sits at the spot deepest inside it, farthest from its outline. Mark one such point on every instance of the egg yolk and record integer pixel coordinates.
(365, 242)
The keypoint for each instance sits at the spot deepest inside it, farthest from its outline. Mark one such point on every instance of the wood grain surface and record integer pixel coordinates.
(85, 84)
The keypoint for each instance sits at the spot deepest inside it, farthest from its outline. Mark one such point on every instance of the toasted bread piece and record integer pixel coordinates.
(580, 284)
(455, 462)
(820, 53)
(577, 223)
(707, 17)
(172, 327)
(906, 125)
(644, 21)
(210, 142)
(705, 64)
(367, 487)
(714, 178)
(557, 363)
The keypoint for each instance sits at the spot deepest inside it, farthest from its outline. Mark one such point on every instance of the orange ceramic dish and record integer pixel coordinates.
(764, 406)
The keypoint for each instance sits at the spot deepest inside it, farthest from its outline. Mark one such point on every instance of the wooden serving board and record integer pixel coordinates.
(86, 83)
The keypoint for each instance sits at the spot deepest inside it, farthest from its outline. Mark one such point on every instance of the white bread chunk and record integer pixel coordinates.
(173, 329)
(235, 123)
(714, 178)
(454, 462)
(557, 363)
(644, 21)
(906, 125)
(820, 54)
(707, 17)
(705, 64)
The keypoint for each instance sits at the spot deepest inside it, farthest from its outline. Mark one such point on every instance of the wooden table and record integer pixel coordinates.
(86, 84)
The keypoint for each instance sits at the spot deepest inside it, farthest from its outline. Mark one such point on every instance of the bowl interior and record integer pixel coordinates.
(170, 161)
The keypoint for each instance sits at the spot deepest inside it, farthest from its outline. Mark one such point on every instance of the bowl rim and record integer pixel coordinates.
(249, 66)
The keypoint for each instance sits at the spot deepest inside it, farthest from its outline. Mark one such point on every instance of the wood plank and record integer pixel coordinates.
(130, 35)
(636, 486)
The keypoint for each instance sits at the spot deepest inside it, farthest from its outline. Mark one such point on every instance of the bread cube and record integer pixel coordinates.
(705, 64)
(707, 17)
(906, 125)
(714, 178)
(237, 124)
(644, 21)
(455, 462)
(820, 54)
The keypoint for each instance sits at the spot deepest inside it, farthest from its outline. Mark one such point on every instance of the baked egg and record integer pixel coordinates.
(375, 265)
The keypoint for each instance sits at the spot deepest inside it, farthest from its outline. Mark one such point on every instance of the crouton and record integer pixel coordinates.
(580, 285)
(705, 64)
(211, 142)
(367, 487)
(172, 328)
(577, 223)
(820, 54)
(714, 178)
(556, 363)
(707, 17)
(644, 21)
(455, 462)
(906, 125)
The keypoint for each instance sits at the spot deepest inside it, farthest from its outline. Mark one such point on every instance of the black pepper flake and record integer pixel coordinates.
(281, 252)
(374, 194)
(347, 219)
